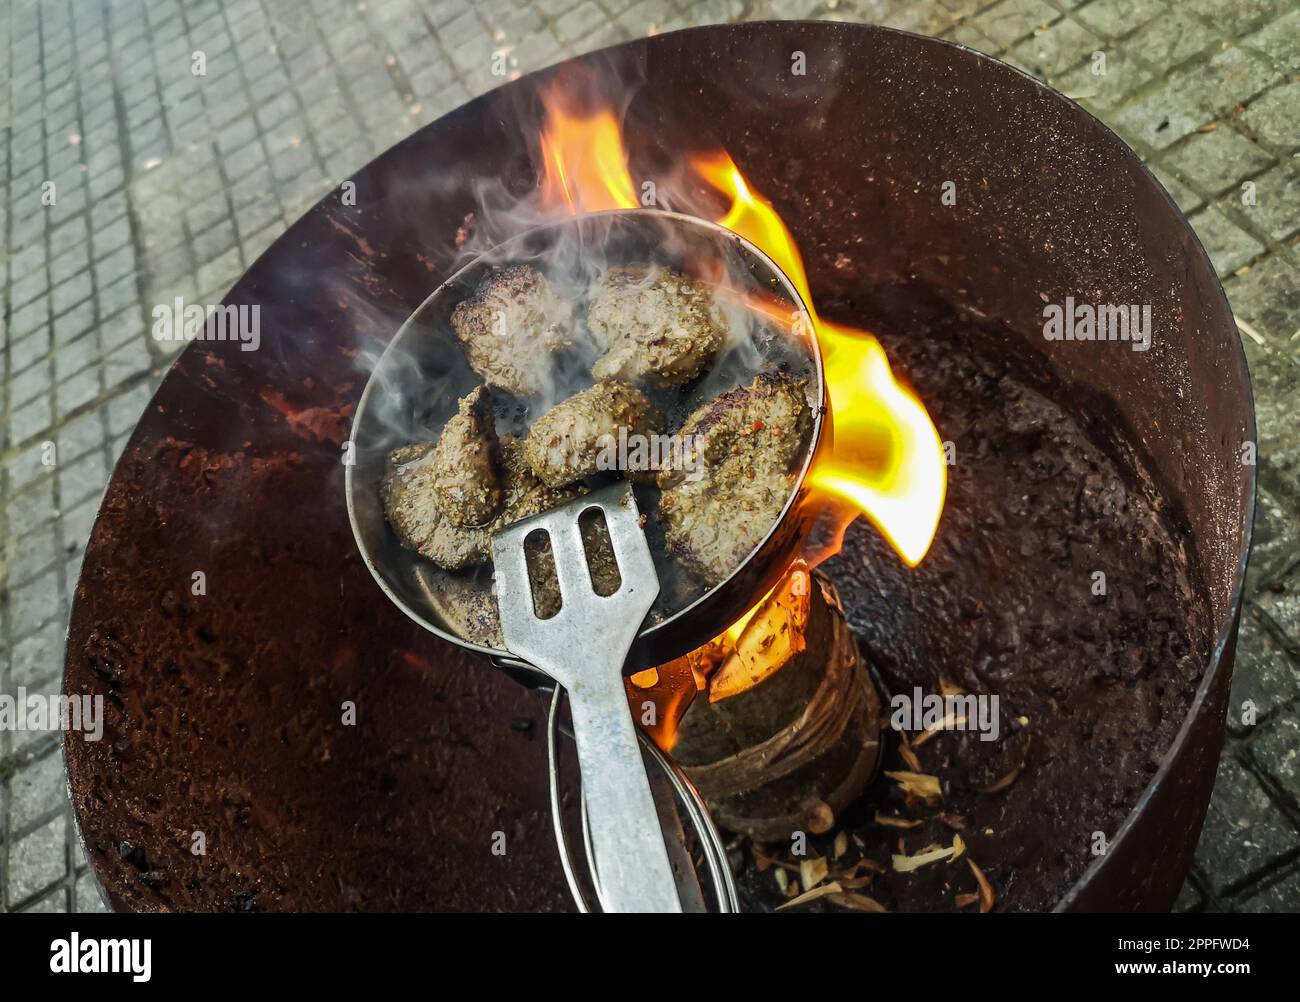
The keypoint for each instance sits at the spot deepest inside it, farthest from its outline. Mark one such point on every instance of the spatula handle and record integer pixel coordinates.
(631, 858)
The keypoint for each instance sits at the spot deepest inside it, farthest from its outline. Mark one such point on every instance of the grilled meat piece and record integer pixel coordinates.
(766, 423)
(465, 462)
(525, 494)
(412, 506)
(751, 437)
(656, 326)
(511, 327)
(565, 443)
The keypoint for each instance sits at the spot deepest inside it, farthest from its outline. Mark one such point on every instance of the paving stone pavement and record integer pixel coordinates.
(167, 183)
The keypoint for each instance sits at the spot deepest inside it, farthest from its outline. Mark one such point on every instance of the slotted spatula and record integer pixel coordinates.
(584, 648)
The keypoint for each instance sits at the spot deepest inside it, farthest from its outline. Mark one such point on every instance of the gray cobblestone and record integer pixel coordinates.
(1051, 51)
(1231, 78)
(1278, 752)
(85, 894)
(53, 902)
(36, 791)
(29, 420)
(38, 657)
(1280, 602)
(1243, 831)
(1279, 893)
(1229, 246)
(1276, 546)
(32, 382)
(1173, 38)
(1265, 678)
(1276, 379)
(31, 553)
(78, 436)
(23, 468)
(1268, 296)
(1279, 40)
(1117, 18)
(1239, 16)
(30, 507)
(1276, 211)
(1124, 77)
(1274, 118)
(1217, 160)
(1190, 899)
(37, 861)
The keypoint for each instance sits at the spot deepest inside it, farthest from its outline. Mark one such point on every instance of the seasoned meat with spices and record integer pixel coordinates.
(655, 325)
(579, 436)
(412, 508)
(465, 462)
(511, 327)
(411, 504)
(525, 494)
(751, 438)
(765, 423)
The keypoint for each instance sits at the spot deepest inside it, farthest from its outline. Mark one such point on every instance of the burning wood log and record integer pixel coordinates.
(787, 733)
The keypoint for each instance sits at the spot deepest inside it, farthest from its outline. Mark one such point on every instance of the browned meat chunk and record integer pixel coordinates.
(766, 424)
(413, 509)
(411, 506)
(465, 462)
(751, 437)
(511, 327)
(655, 325)
(571, 439)
(525, 494)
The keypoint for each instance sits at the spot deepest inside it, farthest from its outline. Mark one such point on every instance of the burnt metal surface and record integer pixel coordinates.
(1046, 491)
(225, 709)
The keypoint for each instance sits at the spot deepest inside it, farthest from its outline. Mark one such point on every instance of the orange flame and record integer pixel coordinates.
(584, 161)
(885, 460)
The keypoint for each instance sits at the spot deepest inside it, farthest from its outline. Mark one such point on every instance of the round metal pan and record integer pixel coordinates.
(416, 382)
